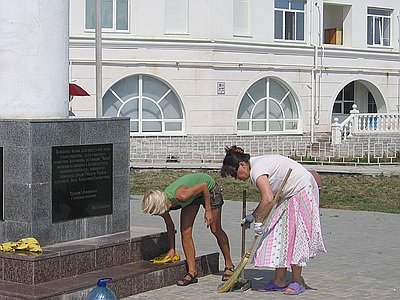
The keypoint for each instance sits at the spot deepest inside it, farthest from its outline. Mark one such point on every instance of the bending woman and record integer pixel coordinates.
(294, 234)
(187, 193)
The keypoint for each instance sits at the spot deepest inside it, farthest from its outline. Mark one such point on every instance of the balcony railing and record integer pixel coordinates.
(358, 123)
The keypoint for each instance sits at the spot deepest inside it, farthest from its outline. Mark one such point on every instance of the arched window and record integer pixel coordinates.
(152, 106)
(344, 100)
(268, 106)
(357, 92)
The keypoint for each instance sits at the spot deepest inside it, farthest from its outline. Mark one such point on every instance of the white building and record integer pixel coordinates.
(237, 67)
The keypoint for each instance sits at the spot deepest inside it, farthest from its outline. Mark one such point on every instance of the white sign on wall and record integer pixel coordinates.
(221, 88)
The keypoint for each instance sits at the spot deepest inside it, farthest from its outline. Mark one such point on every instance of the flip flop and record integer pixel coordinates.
(295, 289)
(226, 276)
(272, 287)
(185, 282)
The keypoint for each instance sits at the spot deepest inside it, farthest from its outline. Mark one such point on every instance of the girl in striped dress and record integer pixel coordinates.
(294, 234)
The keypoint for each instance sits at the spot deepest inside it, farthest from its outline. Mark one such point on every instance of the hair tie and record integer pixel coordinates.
(238, 150)
(234, 149)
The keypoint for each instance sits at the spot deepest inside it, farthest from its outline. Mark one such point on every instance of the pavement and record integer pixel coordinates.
(361, 262)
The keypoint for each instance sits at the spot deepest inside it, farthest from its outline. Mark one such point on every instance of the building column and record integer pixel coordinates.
(34, 38)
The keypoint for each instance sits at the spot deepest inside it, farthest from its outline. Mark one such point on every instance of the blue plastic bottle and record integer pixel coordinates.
(102, 292)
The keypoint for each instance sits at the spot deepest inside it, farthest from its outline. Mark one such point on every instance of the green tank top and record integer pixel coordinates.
(188, 180)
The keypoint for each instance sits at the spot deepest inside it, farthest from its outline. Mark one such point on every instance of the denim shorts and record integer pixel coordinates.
(215, 196)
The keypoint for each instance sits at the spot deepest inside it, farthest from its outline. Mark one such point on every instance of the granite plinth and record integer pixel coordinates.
(37, 184)
(70, 270)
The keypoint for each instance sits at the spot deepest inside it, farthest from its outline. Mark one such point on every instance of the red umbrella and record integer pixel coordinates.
(76, 90)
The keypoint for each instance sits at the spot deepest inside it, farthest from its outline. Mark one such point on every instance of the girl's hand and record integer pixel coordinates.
(171, 253)
(208, 217)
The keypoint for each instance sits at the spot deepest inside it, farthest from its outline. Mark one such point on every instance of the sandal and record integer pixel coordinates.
(226, 276)
(294, 289)
(272, 287)
(184, 281)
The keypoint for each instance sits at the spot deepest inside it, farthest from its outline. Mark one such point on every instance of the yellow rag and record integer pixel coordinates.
(26, 244)
(164, 258)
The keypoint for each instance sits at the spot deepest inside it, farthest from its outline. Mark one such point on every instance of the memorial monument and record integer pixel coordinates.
(64, 181)
(63, 178)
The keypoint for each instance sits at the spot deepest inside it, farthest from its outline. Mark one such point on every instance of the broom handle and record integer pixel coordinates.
(244, 211)
(276, 202)
(244, 227)
(231, 281)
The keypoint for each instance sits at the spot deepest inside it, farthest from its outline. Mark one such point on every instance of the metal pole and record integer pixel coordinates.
(99, 59)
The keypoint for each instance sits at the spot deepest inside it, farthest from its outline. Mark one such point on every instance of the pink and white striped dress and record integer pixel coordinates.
(294, 234)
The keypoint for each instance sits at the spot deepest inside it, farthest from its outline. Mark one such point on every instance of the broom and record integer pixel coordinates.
(227, 286)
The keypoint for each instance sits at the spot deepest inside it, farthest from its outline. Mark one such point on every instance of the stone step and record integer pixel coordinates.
(128, 279)
(73, 268)
(80, 256)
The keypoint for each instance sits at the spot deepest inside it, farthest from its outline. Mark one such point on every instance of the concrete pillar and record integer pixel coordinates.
(336, 134)
(34, 59)
(354, 112)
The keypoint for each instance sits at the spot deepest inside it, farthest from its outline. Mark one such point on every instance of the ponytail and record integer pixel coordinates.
(233, 156)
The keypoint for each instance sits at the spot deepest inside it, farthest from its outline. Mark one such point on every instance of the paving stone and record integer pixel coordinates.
(361, 261)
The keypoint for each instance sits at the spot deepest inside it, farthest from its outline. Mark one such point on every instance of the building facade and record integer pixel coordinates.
(237, 67)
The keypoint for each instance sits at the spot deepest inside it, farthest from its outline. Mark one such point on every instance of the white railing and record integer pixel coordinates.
(364, 123)
(378, 122)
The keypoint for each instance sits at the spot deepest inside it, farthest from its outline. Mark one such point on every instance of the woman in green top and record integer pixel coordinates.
(187, 193)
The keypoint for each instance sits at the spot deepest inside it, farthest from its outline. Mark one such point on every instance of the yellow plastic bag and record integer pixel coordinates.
(8, 246)
(26, 244)
(164, 258)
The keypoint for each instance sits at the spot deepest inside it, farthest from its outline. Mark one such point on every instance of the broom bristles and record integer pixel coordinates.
(227, 286)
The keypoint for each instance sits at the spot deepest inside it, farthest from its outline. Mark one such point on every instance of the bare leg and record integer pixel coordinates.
(280, 277)
(296, 274)
(222, 239)
(188, 215)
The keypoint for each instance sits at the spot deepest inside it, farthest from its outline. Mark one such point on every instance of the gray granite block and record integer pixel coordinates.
(68, 133)
(105, 131)
(121, 186)
(42, 230)
(17, 202)
(121, 156)
(120, 218)
(120, 223)
(8, 138)
(18, 230)
(95, 226)
(17, 165)
(56, 133)
(27, 147)
(41, 164)
(41, 192)
(65, 231)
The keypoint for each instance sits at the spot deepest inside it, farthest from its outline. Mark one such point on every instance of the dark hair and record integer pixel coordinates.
(233, 156)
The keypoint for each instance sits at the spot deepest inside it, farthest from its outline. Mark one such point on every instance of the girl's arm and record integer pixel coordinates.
(170, 226)
(184, 193)
(266, 199)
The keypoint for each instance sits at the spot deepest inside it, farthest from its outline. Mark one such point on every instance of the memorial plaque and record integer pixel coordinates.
(81, 181)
